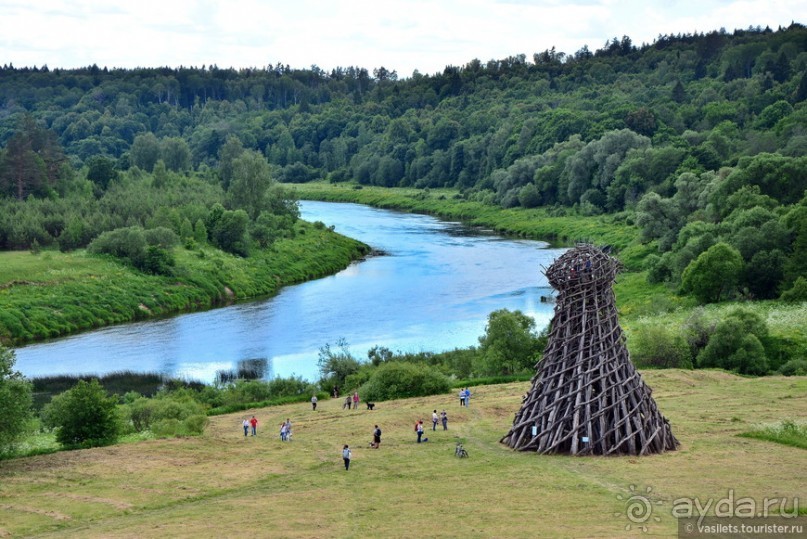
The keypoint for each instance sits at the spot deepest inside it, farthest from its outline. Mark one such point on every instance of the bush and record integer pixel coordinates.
(794, 367)
(399, 380)
(660, 347)
(156, 413)
(127, 243)
(737, 344)
(15, 400)
(84, 416)
(796, 293)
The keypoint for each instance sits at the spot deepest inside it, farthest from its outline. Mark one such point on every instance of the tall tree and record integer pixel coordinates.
(251, 178)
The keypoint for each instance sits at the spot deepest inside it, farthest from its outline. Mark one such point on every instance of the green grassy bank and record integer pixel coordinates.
(536, 223)
(50, 294)
(222, 484)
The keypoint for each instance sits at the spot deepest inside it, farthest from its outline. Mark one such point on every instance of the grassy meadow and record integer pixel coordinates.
(222, 484)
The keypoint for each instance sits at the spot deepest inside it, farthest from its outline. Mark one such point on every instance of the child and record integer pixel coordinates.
(346, 456)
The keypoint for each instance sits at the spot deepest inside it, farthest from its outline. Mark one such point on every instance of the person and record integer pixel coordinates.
(434, 420)
(376, 438)
(283, 431)
(288, 429)
(314, 403)
(355, 400)
(347, 403)
(254, 423)
(335, 392)
(419, 429)
(462, 397)
(346, 456)
(246, 427)
(444, 419)
(467, 397)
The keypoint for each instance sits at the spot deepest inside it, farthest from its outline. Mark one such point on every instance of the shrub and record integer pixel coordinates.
(127, 243)
(794, 367)
(796, 293)
(737, 344)
(660, 347)
(398, 380)
(145, 413)
(84, 416)
(15, 400)
(161, 237)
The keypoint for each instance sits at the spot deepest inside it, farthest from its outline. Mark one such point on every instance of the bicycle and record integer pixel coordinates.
(460, 452)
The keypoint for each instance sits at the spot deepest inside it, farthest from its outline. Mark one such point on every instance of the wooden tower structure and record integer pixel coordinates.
(586, 397)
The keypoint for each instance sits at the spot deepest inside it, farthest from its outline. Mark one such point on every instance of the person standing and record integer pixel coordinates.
(314, 403)
(444, 419)
(419, 429)
(347, 403)
(462, 397)
(283, 431)
(434, 420)
(346, 455)
(254, 424)
(246, 427)
(355, 400)
(467, 397)
(376, 437)
(288, 429)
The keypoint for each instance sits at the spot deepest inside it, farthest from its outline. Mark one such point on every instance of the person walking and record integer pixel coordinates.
(467, 397)
(355, 400)
(347, 403)
(254, 424)
(283, 431)
(376, 438)
(346, 455)
(314, 403)
(246, 427)
(444, 419)
(434, 420)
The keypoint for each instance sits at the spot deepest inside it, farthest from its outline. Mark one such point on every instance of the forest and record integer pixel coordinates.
(698, 139)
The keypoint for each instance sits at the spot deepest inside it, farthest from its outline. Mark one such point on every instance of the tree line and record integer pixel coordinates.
(668, 131)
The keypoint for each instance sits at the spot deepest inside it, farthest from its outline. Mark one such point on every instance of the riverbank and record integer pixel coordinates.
(51, 294)
(635, 296)
(536, 223)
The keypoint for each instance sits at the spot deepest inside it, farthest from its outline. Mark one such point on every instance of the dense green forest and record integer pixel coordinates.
(699, 139)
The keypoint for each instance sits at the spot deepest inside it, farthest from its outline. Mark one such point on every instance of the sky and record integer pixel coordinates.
(400, 35)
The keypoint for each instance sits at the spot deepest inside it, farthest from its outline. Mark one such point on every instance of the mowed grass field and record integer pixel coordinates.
(225, 485)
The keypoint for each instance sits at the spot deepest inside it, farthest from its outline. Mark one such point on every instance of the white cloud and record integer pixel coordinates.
(398, 34)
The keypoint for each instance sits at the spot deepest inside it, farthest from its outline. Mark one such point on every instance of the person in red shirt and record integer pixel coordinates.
(254, 423)
(355, 400)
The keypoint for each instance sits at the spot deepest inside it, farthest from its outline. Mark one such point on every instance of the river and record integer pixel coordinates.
(432, 290)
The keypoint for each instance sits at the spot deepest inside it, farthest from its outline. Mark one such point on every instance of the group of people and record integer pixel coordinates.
(465, 397)
(354, 400)
(250, 423)
(285, 431)
(285, 427)
(443, 418)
